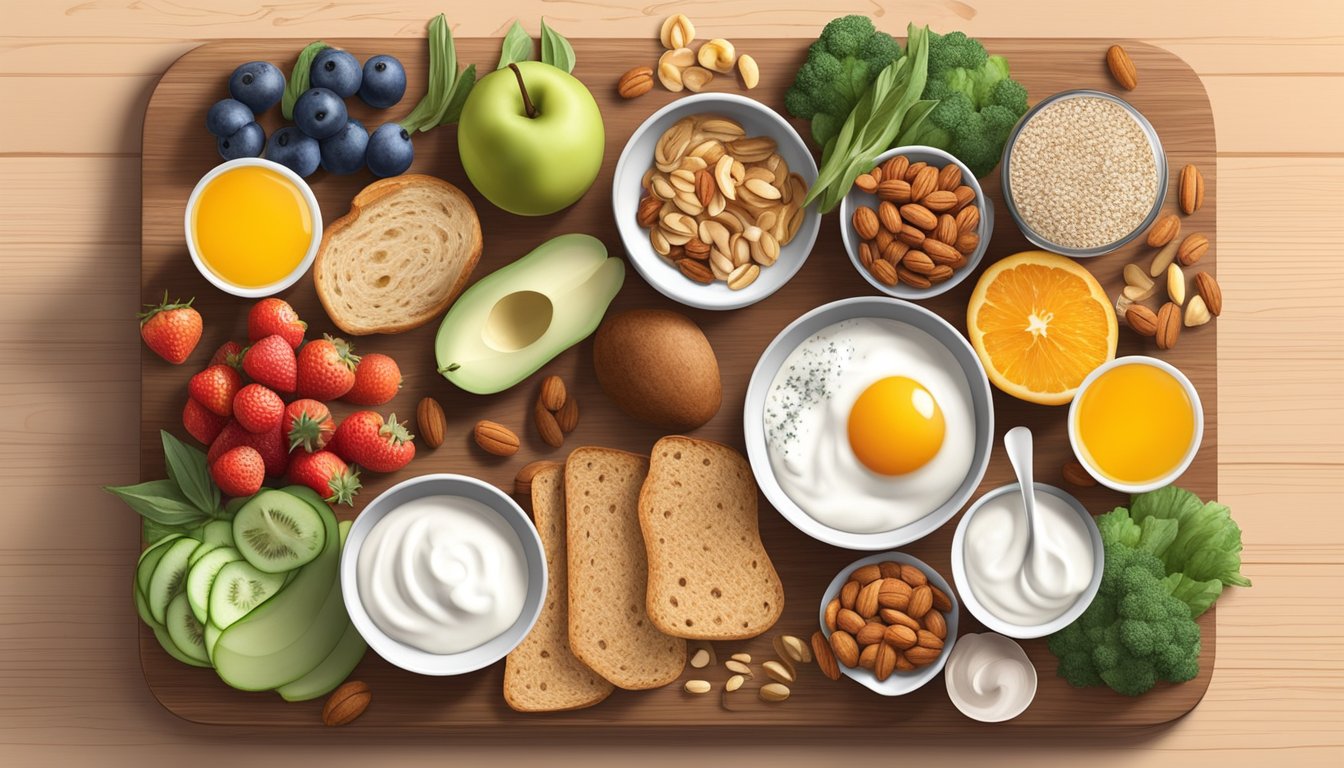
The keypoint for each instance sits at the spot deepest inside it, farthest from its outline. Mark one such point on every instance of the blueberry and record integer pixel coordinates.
(295, 150)
(248, 141)
(320, 113)
(390, 152)
(258, 84)
(344, 152)
(384, 82)
(226, 116)
(337, 71)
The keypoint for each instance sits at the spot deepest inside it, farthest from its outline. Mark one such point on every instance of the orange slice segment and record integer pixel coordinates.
(1040, 323)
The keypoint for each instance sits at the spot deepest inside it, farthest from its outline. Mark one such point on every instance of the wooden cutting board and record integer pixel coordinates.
(178, 151)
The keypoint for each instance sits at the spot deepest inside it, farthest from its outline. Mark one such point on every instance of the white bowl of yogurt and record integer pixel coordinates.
(1009, 592)
(443, 574)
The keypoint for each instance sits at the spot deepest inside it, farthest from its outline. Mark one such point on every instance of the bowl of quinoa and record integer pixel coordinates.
(1083, 173)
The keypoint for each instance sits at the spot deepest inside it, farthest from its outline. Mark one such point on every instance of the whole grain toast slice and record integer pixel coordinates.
(541, 674)
(609, 629)
(710, 577)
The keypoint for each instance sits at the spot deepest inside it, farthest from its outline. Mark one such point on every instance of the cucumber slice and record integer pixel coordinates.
(202, 575)
(185, 631)
(211, 636)
(278, 532)
(332, 671)
(149, 560)
(168, 576)
(239, 588)
(142, 607)
(292, 633)
(161, 634)
(217, 532)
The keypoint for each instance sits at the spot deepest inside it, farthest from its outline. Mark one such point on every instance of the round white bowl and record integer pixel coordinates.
(1076, 442)
(626, 191)
(799, 330)
(969, 642)
(983, 614)
(308, 256)
(413, 659)
(856, 197)
(899, 683)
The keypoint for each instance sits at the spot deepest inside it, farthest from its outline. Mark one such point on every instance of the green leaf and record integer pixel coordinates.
(517, 46)
(1208, 542)
(446, 64)
(913, 120)
(430, 104)
(1198, 595)
(154, 532)
(555, 49)
(461, 90)
(161, 501)
(298, 78)
(187, 467)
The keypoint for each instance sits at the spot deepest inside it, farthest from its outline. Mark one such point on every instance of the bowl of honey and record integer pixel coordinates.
(1136, 424)
(253, 227)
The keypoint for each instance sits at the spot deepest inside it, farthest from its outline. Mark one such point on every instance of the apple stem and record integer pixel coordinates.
(527, 101)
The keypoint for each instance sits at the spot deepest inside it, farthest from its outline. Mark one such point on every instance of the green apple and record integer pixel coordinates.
(531, 138)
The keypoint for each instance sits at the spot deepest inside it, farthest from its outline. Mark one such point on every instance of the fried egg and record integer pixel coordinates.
(870, 425)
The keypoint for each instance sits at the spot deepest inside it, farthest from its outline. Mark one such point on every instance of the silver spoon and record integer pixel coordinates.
(1018, 444)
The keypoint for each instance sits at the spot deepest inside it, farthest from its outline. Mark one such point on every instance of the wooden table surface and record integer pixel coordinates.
(74, 81)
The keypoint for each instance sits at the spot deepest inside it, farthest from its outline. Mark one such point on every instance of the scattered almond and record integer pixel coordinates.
(774, 692)
(733, 665)
(635, 83)
(1192, 249)
(432, 425)
(1164, 230)
(677, 31)
(547, 427)
(1134, 275)
(495, 438)
(1209, 291)
(568, 415)
(1074, 473)
(1142, 319)
(734, 683)
(778, 672)
(1122, 68)
(718, 55)
(749, 70)
(1163, 259)
(346, 703)
(700, 659)
(522, 482)
(1190, 189)
(795, 649)
(1168, 325)
(696, 78)
(697, 687)
(553, 394)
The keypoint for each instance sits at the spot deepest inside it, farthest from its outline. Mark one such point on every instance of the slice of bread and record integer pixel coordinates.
(608, 626)
(710, 577)
(541, 674)
(399, 257)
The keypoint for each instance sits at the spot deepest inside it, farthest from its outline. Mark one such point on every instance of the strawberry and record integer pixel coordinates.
(324, 472)
(201, 423)
(271, 362)
(365, 439)
(307, 425)
(230, 353)
(239, 472)
(377, 379)
(171, 330)
(271, 445)
(326, 368)
(214, 388)
(275, 317)
(258, 409)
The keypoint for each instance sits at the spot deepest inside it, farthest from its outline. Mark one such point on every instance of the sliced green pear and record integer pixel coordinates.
(516, 319)
(338, 665)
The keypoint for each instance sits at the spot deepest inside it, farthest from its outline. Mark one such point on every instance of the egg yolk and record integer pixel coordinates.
(895, 426)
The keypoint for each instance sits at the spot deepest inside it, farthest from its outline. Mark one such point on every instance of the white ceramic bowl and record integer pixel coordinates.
(414, 659)
(856, 197)
(798, 331)
(308, 256)
(1164, 480)
(626, 191)
(899, 683)
(982, 613)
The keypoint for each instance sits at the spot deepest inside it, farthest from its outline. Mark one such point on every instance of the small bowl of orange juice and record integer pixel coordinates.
(253, 227)
(1136, 424)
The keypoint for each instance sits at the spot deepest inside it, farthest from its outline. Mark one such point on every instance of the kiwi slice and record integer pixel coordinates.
(277, 532)
(149, 560)
(202, 575)
(168, 577)
(184, 630)
(238, 588)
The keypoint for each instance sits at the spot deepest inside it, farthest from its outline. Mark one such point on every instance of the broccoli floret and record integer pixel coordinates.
(840, 66)
(978, 103)
(1134, 633)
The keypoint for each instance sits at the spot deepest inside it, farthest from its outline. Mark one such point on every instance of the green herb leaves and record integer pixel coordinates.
(179, 503)
(448, 89)
(298, 78)
(517, 46)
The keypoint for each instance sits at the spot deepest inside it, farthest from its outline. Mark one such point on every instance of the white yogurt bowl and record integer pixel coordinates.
(409, 657)
(987, 617)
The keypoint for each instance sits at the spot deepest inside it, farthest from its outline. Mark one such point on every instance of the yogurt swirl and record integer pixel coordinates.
(989, 677)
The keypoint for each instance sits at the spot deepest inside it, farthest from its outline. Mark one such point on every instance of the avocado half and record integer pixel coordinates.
(519, 317)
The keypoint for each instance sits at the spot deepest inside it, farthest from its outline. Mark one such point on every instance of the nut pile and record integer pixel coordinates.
(556, 412)
(682, 67)
(719, 204)
(1167, 271)
(781, 671)
(925, 226)
(887, 618)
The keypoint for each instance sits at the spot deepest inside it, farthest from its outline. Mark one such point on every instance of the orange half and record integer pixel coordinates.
(1040, 323)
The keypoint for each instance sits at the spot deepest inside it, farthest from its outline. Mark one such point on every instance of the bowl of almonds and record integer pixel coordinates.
(889, 621)
(708, 198)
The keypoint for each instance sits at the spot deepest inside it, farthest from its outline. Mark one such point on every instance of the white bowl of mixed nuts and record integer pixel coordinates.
(708, 199)
(917, 224)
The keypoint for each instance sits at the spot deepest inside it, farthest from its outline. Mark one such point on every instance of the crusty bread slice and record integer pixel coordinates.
(608, 626)
(399, 257)
(541, 674)
(710, 577)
